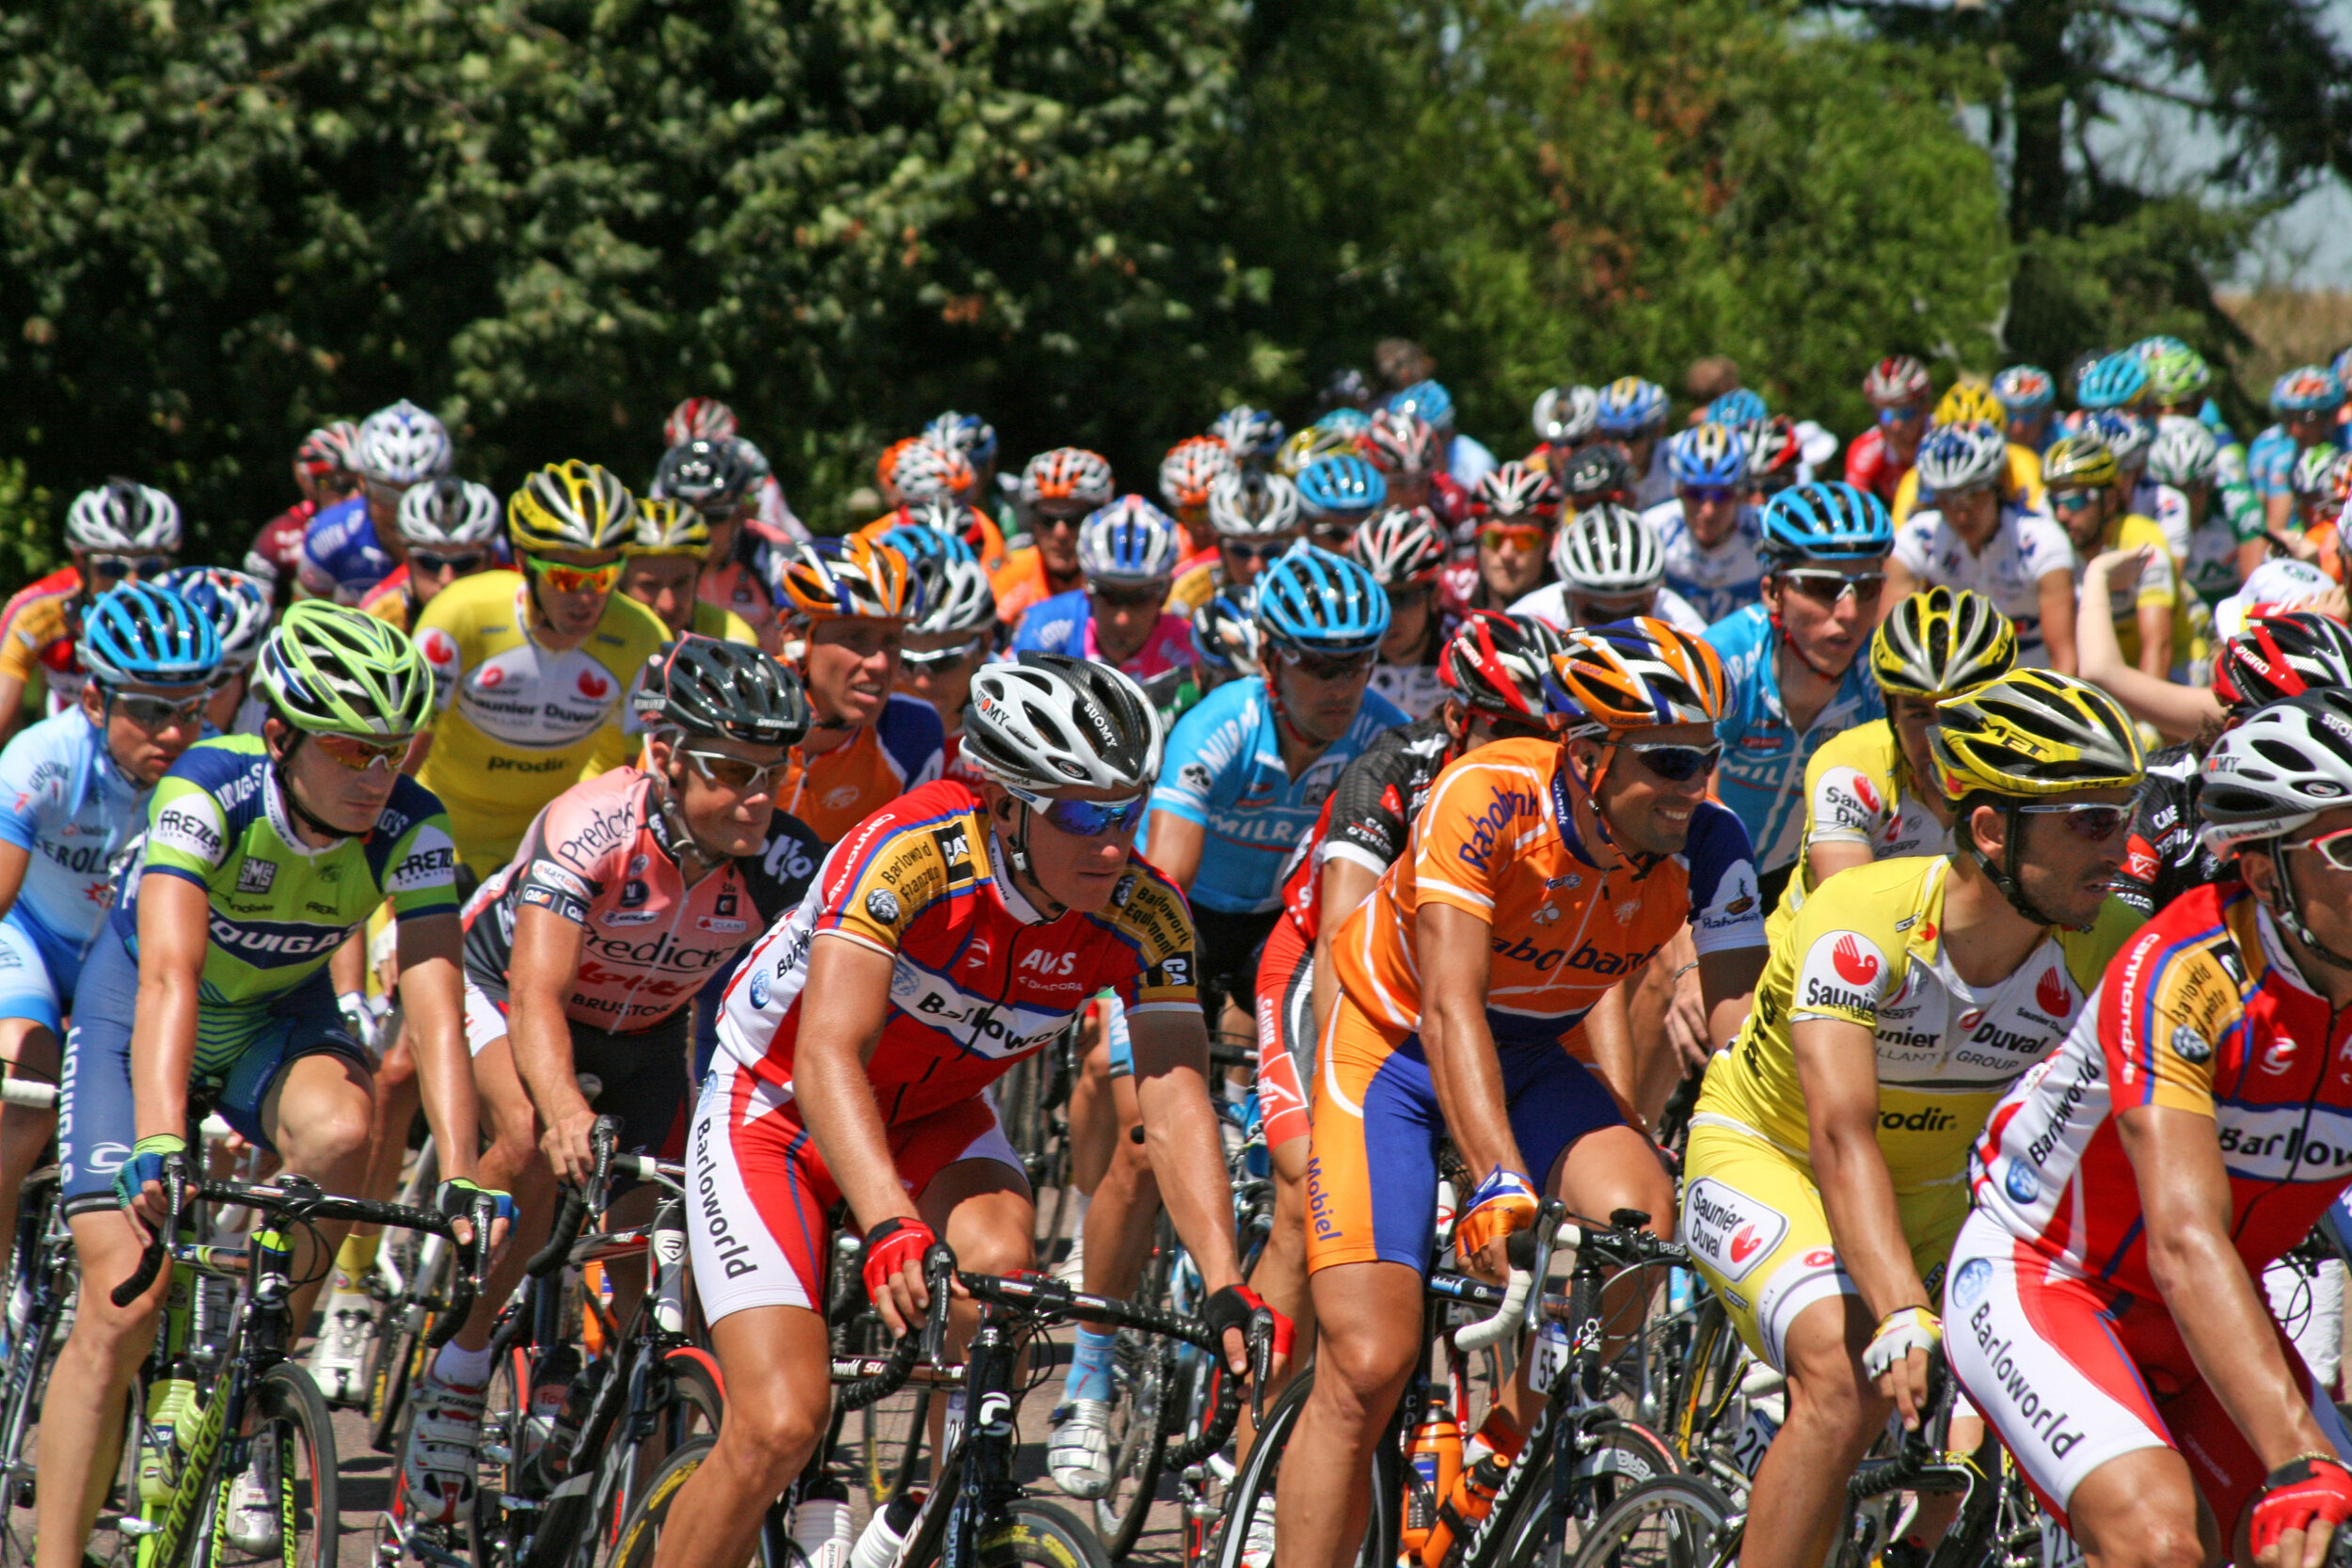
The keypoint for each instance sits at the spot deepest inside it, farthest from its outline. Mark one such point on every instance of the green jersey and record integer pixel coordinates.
(279, 909)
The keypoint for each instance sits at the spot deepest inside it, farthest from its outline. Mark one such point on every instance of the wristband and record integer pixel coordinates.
(1504, 1202)
(1899, 1333)
(888, 1248)
(2309, 1487)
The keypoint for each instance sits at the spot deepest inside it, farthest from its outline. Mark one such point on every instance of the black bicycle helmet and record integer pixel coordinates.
(705, 686)
(710, 474)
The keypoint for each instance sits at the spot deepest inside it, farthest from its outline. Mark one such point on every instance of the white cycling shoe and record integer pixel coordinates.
(444, 1449)
(1078, 1451)
(339, 1361)
(252, 1522)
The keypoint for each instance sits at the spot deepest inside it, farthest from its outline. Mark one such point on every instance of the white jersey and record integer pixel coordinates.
(1415, 687)
(1712, 580)
(2025, 548)
(1549, 605)
(2169, 510)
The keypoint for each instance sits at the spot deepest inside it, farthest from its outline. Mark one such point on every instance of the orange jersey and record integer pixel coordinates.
(1021, 583)
(833, 791)
(1498, 841)
(980, 532)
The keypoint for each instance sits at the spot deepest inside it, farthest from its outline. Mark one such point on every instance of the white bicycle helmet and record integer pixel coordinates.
(1402, 545)
(449, 513)
(957, 597)
(1565, 415)
(1963, 456)
(123, 515)
(1048, 721)
(2183, 454)
(2284, 764)
(402, 445)
(238, 604)
(1247, 505)
(1129, 541)
(1608, 551)
(1067, 474)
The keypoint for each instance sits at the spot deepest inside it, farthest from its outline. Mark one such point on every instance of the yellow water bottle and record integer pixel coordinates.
(170, 1406)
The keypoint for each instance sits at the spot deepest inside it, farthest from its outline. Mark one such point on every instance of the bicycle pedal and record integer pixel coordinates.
(131, 1525)
(498, 1453)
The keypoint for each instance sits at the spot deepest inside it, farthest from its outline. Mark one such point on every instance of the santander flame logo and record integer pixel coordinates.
(1853, 965)
(490, 676)
(439, 647)
(2052, 993)
(594, 687)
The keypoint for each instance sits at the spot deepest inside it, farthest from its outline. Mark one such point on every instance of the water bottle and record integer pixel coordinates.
(820, 1523)
(887, 1531)
(1434, 1454)
(1678, 1291)
(1460, 1516)
(549, 1392)
(171, 1409)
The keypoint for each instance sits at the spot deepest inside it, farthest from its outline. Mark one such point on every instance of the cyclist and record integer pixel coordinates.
(662, 567)
(1541, 873)
(2306, 399)
(238, 605)
(1973, 539)
(117, 532)
(1611, 568)
(1406, 551)
(323, 474)
(2118, 380)
(1898, 389)
(2317, 489)
(1127, 556)
(833, 1084)
(771, 515)
(1516, 509)
(2020, 477)
(1462, 460)
(2090, 500)
(1336, 494)
(692, 850)
(1494, 670)
(2130, 438)
(946, 647)
(73, 792)
(2130, 1188)
(450, 528)
(975, 439)
(1707, 529)
(1776, 455)
(2226, 540)
(1251, 435)
(1191, 466)
(719, 477)
(262, 854)
(1256, 517)
(1404, 447)
(1794, 662)
(532, 668)
(848, 602)
(1633, 422)
(350, 547)
(1905, 1000)
(1870, 794)
(1565, 419)
(1060, 490)
(2028, 397)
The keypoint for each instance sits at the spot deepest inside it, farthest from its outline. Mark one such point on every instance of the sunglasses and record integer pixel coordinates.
(2335, 848)
(2091, 823)
(359, 755)
(155, 714)
(114, 568)
(1969, 496)
(1524, 535)
(1708, 494)
(1260, 550)
(1403, 600)
(1336, 534)
(1327, 667)
(2073, 501)
(938, 658)
(1128, 596)
(1902, 416)
(1048, 524)
(734, 774)
(1674, 763)
(576, 579)
(1827, 588)
(433, 562)
(1088, 818)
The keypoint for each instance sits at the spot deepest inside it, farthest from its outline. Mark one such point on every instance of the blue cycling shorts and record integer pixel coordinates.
(96, 1125)
(36, 975)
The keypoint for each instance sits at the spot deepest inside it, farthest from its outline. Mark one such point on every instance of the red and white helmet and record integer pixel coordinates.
(1515, 490)
(1191, 466)
(1899, 378)
(1067, 474)
(327, 450)
(1400, 442)
(928, 471)
(1401, 546)
(1498, 663)
(698, 419)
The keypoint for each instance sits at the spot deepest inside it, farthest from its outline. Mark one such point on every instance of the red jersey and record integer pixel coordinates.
(276, 553)
(1872, 465)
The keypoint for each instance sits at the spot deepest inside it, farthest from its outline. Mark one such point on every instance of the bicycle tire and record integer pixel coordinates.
(1258, 1473)
(640, 1533)
(287, 1412)
(691, 1407)
(1146, 1369)
(1670, 1522)
(505, 1421)
(892, 1432)
(1625, 1457)
(1034, 1534)
(19, 1418)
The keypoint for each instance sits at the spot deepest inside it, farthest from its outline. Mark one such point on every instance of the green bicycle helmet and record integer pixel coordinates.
(330, 670)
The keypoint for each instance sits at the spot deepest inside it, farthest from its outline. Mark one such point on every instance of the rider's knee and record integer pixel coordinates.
(774, 1439)
(999, 1249)
(2151, 1537)
(340, 1127)
(1368, 1367)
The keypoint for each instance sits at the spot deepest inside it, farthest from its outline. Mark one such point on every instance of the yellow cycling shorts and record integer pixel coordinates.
(1753, 1219)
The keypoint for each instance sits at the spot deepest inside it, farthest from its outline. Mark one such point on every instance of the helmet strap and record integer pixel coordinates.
(1025, 869)
(308, 817)
(1833, 676)
(2003, 875)
(2290, 909)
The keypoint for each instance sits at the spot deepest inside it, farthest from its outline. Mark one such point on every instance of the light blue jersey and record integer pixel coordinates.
(1762, 776)
(1224, 771)
(64, 801)
(1717, 579)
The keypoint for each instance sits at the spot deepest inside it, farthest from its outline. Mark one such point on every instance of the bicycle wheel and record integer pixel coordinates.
(1254, 1487)
(641, 1531)
(891, 1432)
(686, 1404)
(1036, 1534)
(509, 1441)
(1622, 1457)
(1146, 1373)
(1668, 1522)
(291, 1444)
(28, 1367)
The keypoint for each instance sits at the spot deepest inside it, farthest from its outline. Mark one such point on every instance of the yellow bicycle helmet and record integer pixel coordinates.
(2033, 733)
(666, 527)
(1306, 446)
(1941, 643)
(571, 506)
(2079, 462)
(1967, 402)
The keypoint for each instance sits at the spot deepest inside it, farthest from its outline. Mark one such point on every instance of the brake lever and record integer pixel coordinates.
(939, 1269)
(1261, 1363)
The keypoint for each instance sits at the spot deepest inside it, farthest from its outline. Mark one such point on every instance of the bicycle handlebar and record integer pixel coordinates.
(1619, 1243)
(925, 1343)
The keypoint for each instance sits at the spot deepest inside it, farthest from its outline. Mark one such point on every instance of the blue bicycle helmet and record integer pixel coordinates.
(2127, 435)
(1428, 398)
(2025, 390)
(1345, 421)
(2115, 382)
(237, 604)
(1340, 483)
(1129, 541)
(1826, 520)
(919, 544)
(1225, 633)
(1314, 602)
(148, 635)
(1737, 407)
(2157, 347)
(1707, 456)
(1630, 405)
(1251, 435)
(2305, 389)
(966, 433)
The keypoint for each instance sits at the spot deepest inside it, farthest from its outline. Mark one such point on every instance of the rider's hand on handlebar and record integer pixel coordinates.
(1503, 1203)
(2301, 1505)
(1228, 1312)
(891, 1263)
(569, 1148)
(1897, 1359)
(139, 1179)
(453, 1200)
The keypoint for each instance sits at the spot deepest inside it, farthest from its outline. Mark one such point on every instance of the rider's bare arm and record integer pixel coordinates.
(433, 1010)
(2181, 712)
(842, 1010)
(1454, 946)
(1345, 885)
(546, 958)
(1838, 1066)
(2057, 620)
(174, 926)
(15, 860)
(1728, 983)
(2155, 640)
(2184, 1196)
(1609, 1035)
(1174, 845)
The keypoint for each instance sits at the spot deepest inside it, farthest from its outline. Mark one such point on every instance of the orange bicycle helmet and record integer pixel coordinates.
(850, 579)
(1634, 674)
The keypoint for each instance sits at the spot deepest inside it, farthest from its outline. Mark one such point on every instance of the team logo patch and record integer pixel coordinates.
(2190, 1046)
(2023, 1185)
(759, 989)
(1969, 1283)
(882, 905)
(1728, 1229)
(1195, 776)
(840, 799)
(256, 875)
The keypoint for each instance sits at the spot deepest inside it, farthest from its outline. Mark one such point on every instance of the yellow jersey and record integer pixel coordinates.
(2158, 584)
(519, 723)
(717, 621)
(2021, 486)
(1868, 948)
(1858, 789)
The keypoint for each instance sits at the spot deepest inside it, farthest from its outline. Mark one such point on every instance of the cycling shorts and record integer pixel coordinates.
(37, 979)
(2072, 1372)
(1372, 1095)
(1286, 1033)
(96, 1123)
(639, 1080)
(761, 1189)
(1227, 956)
(1753, 1219)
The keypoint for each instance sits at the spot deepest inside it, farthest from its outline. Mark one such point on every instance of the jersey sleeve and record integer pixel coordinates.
(32, 784)
(1844, 804)
(875, 888)
(1155, 922)
(316, 577)
(1201, 769)
(2043, 545)
(572, 848)
(1465, 839)
(1911, 547)
(1725, 911)
(2159, 1040)
(913, 739)
(187, 832)
(1840, 947)
(419, 873)
(779, 875)
(443, 650)
(1368, 822)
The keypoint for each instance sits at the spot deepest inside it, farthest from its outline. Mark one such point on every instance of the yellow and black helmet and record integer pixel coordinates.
(571, 506)
(666, 527)
(1940, 644)
(2079, 461)
(1967, 402)
(2034, 732)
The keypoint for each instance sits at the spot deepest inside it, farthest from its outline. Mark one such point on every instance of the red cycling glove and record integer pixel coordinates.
(2298, 1492)
(1234, 1306)
(889, 1247)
